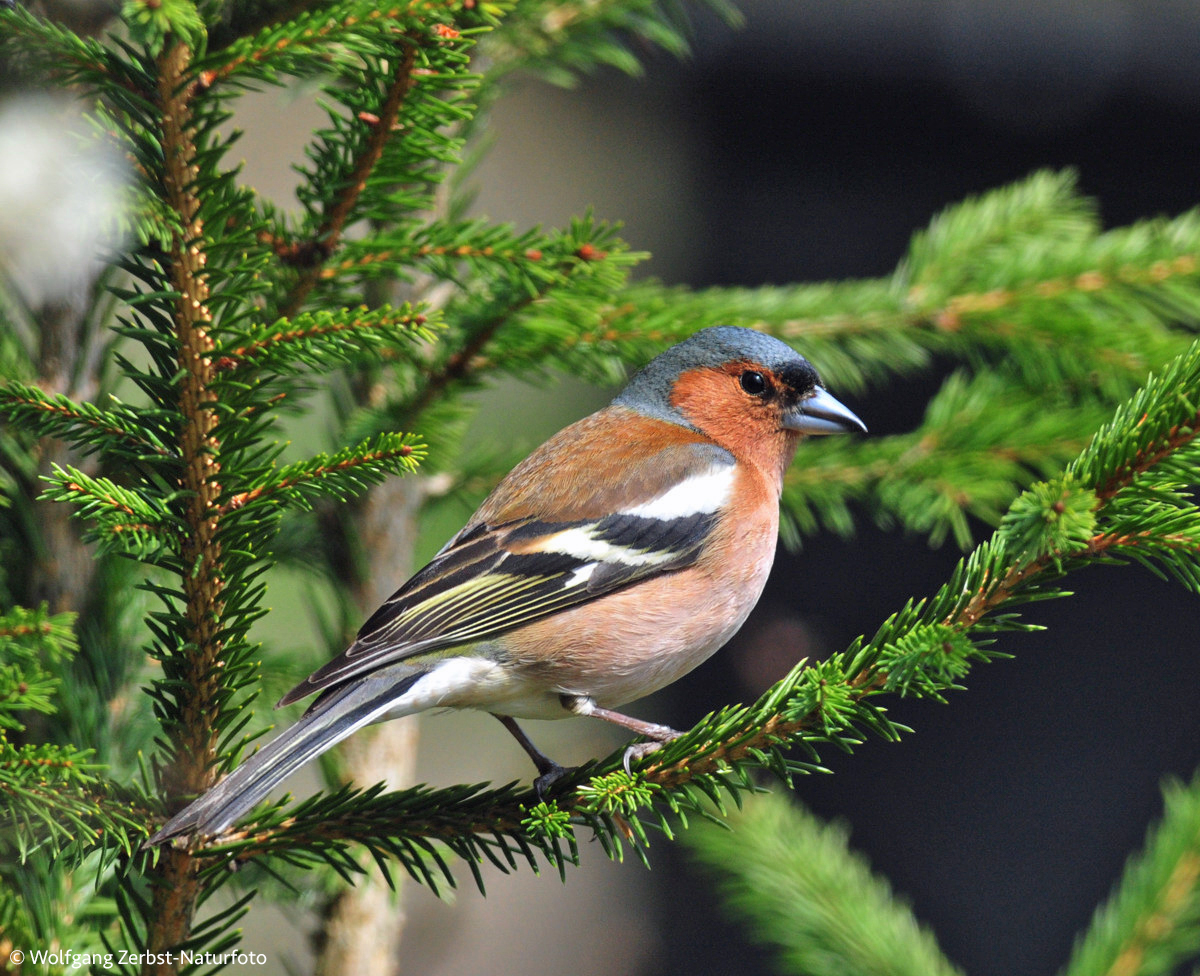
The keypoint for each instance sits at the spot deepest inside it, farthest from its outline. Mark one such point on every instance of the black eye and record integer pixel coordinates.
(754, 383)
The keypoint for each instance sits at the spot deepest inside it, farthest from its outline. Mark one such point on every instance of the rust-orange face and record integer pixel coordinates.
(740, 382)
(788, 397)
(759, 412)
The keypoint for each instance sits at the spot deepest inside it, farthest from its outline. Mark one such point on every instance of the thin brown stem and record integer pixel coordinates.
(247, 354)
(254, 494)
(330, 232)
(1176, 437)
(459, 364)
(176, 886)
(467, 360)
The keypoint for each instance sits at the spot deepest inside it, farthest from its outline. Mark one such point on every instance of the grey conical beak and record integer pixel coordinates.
(822, 413)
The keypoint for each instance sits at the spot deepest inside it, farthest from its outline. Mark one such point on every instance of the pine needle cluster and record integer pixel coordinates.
(224, 315)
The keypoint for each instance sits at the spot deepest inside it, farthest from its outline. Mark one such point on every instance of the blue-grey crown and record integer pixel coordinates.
(649, 392)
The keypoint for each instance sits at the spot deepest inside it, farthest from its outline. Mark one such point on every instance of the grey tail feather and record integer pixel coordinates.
(342, 712)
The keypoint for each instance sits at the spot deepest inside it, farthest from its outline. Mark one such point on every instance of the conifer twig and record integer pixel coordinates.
(329, 233)
(176, 887)
(1151, 921)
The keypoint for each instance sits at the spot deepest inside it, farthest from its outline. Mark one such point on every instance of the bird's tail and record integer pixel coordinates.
(333, 717)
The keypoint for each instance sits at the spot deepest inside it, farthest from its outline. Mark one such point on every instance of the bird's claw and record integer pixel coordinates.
(640, 750)
(550, 775)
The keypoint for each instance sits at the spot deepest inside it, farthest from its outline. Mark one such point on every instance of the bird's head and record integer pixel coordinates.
(747, 391)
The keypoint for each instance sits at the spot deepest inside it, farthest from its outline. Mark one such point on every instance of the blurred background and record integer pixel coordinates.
(810, 145)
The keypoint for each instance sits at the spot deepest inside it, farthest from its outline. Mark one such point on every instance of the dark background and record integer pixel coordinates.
(828, 135)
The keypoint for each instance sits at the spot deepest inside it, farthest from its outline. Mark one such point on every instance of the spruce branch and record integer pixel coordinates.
(197, 687)
(395, 116)
(240, 21)
(380, 128)
(442, 246)
(799, 887)
(323, 340)
(121, 519)
(199, 449)
(337, 476)
(41, 45)
(306, 44)
(379, 131)
(1151, 922)
(118, 432)
(1046, 207)
(459, 365)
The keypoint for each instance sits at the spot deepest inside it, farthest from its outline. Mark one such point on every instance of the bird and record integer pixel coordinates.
(614, 559)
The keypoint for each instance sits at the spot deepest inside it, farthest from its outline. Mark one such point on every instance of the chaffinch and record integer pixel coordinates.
(614, 559)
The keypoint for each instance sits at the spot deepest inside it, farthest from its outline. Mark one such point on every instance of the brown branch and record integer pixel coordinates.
(235, 358)
(175, 880)
(107, 499)
(314, 38)
(1176, 437)
(459, 365)
(198, 447)
(950, 317)
(504, 818)
(119, 528)
(48, 406)
(740, 744)
(329, 234)
(245, 497)
(71, 61)
(710, 758)
(987, 600)
(418, 251)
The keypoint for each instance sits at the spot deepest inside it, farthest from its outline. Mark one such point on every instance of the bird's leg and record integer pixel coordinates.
(658, 735)
(549, 771)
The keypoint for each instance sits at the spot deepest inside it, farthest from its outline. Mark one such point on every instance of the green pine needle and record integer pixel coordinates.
(798, 887)
(1151, 923)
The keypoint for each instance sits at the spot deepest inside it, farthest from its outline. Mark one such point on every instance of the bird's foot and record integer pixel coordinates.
(640, 750)
(550, 774)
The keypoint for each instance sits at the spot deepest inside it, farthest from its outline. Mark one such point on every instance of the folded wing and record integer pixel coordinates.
(501, 572)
